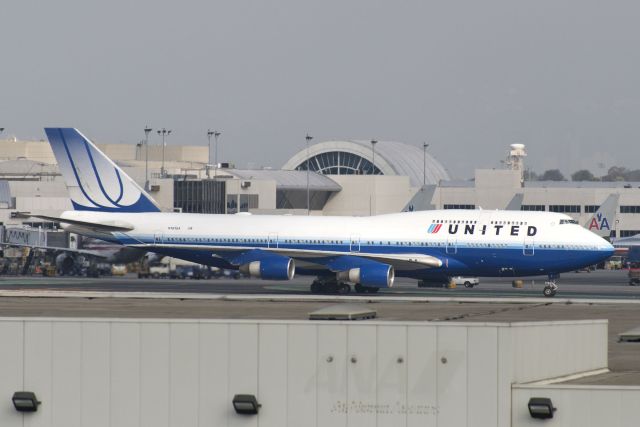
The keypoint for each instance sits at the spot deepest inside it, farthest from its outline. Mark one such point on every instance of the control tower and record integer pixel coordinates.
(515, 159)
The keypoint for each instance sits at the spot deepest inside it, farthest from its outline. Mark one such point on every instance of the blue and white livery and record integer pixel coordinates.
(367, 252)
(95, 183)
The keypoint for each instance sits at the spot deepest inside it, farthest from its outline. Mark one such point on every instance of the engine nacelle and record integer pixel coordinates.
(377, 276)
(65, 264)
(281, 268)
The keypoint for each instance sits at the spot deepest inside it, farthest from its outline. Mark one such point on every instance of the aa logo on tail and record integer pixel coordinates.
(599, 222)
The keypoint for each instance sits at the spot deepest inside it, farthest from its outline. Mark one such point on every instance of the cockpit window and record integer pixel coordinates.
(568, 221)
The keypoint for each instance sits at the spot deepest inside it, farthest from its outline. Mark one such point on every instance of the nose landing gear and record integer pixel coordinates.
(550, 287)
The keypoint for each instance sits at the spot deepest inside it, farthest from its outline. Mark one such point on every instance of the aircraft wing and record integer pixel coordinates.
(402, 261)
(239, 255)
(101, 227)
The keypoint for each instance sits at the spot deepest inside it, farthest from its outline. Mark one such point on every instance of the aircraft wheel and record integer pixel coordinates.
(315, 287)
(331, 288)
(373, 290)
(344, 288)
(549, 291)
(359, 288)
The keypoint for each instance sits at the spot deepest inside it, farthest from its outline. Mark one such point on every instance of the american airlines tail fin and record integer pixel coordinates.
(602, 221)
(94, 181)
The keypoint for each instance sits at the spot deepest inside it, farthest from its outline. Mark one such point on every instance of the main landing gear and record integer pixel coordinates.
(326, 286)
(332, 286)
(365, 289)
(550, 287)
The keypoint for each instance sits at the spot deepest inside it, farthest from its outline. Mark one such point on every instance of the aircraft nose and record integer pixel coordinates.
(602, 246)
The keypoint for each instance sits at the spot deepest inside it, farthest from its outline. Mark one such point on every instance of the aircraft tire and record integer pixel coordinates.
(549, 292)
(360, 289)
(344, 288)
(315, 287)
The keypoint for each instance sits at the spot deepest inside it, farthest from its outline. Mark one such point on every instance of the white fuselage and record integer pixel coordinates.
(473, 240)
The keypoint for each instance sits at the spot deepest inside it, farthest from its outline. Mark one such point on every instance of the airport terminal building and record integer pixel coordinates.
(207, 359)
(345, 177)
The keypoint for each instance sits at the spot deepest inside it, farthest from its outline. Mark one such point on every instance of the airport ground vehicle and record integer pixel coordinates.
(633, 262)
(174, 268)
(159, 271)
(634, 273)
(615, 262)
(155, 269)
(118, 269)
(191, 272)
(468, 282)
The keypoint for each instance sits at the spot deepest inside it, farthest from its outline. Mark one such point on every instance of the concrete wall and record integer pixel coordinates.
(539, 348)
(362, 195)
(41, 151)
(108, 372)
(265, 189)
(580, 405)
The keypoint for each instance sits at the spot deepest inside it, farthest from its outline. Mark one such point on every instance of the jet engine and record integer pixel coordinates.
(65, 264)
(280, 268)
(374, 275)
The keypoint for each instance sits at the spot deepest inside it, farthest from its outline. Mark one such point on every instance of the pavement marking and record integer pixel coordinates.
(302, 298)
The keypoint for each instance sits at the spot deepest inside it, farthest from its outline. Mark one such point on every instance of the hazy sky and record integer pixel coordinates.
(470, 77)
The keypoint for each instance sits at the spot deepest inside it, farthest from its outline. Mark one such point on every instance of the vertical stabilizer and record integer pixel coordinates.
(602, 222)
(94, 181)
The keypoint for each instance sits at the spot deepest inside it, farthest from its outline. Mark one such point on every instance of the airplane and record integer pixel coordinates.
(624, 245)
(367, 252)
(604, 217)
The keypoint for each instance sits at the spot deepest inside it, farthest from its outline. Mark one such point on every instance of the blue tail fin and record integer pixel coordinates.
(95, 182)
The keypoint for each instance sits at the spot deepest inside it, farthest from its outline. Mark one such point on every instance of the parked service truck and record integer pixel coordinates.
(169, 267)
(633, 261)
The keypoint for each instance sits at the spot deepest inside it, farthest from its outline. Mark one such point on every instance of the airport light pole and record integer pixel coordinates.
(209, 135)
(308, 138)
(373, 156)
(164, 132)
(424, 164)
(216, 134)
(373, 172)
(147, 129)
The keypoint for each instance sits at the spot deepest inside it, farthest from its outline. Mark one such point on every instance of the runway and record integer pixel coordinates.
(599, 284)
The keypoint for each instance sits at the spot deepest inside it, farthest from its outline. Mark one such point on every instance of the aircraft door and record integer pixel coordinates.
(529, 248)
(272, 240)
(354, 244)
(158, 238)
(452, 246)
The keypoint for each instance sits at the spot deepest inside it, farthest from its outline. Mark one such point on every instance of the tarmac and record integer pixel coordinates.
(600, 284)
(597, 295)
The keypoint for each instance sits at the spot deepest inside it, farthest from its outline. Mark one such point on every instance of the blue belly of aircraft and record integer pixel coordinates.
(482, 262)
